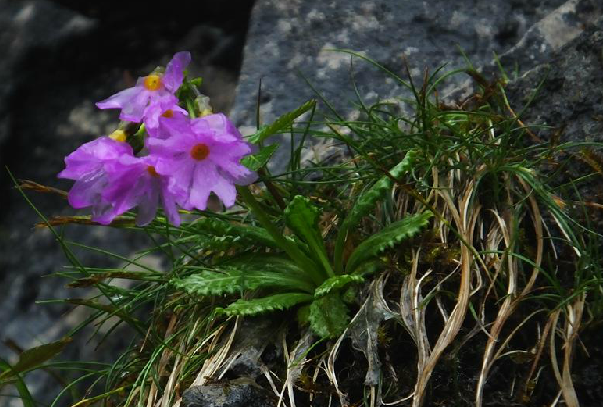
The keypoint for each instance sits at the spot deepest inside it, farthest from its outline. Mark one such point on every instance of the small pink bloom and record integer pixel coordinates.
(161, 123)
(87, 166)
(134, 182)
(152, 95)
(201, 157)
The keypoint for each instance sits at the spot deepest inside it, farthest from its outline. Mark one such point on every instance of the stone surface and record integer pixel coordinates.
(26, 25)
(570, 104)
(550, 34)
(61, 57)
(231, 394)
(287, 40)
(540, 41)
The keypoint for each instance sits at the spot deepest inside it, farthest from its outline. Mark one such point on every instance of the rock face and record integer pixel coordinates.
(288, 40)
(570, 105)
(59, 57)
(25, 26)
(233, 394)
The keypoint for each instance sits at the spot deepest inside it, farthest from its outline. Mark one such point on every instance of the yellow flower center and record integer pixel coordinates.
(151, 170)
(118, 135)
(200, 152)
(152, 82)
(168, 113)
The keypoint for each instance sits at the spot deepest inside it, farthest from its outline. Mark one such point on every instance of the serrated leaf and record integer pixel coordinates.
(281, 123)
(266, 304)
(387, 238)
(366, 202)
(256, 161)
(210, 283)
(302, 217)
(244, 233)
(337, 282)
(31, 358)
(329, 316)
(262, 262)
(230, 281)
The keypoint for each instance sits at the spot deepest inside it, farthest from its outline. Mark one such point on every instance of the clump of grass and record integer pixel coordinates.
(505, 273)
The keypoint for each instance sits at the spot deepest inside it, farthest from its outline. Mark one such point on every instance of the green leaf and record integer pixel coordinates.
(24, 393)
(337, 282)
(34, 357)
(262, 262)
(366, 202)
(246, 234)
(209, 282)
(266, 304)
(303, 314)
(387, 238)
(256, 161)
(329, 316)
(230, 281)
(302, 217)
(281, 123)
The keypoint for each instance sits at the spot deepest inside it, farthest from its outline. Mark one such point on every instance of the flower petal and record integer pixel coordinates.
(205, 176)
(120, 99)
(90, 155)
(88, 189)
(103, 213)
(134, 110)
(225, 190)
(169, 204)
(174, 72)
(148, 202)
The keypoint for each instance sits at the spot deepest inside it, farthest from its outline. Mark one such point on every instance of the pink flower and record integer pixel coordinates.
(88, 167)
(152, 95)
(134, 182)
(162, 124)
(203, 156)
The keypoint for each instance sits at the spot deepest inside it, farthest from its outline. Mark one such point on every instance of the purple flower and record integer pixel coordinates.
(162, 124)
(152, 95)
(203, 156)
(134, 182)
(87, 166)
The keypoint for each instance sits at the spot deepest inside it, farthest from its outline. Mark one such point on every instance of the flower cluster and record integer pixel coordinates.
(188, 158)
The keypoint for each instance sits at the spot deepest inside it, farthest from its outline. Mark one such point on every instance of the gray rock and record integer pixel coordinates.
(540, 41)
(26, 25)
(287, 40)
(550, 34)
(231, 394)
(570, 104)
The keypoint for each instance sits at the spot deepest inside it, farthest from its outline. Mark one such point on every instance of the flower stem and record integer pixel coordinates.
(303, 261)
